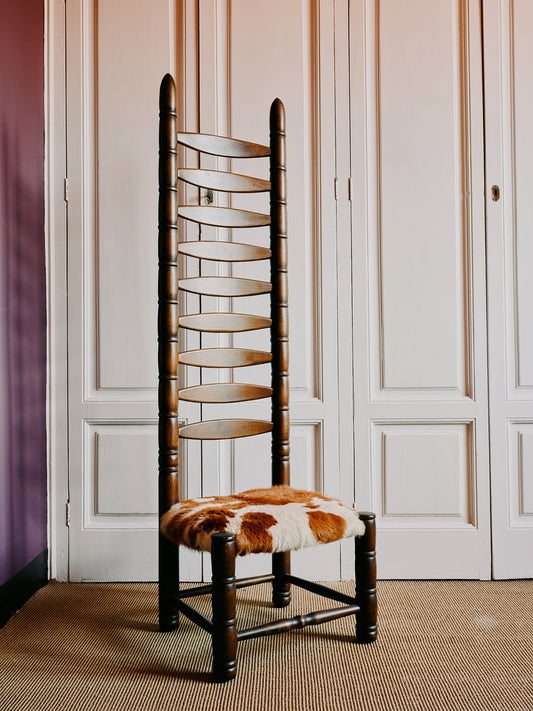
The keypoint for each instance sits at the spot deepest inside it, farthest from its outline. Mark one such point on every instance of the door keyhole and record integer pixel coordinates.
(495, 193)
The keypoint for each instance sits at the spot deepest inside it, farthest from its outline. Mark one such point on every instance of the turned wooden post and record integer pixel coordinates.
(167, 333)
(365, 580)
(224, 635)
(279, 307)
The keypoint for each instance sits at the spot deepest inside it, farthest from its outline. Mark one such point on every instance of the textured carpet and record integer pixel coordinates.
(442, 646)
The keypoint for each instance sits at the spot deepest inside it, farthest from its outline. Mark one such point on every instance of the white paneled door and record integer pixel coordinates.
(116, 54)
(508, 26)
(422, 458)
(231, 59)
(409, 172)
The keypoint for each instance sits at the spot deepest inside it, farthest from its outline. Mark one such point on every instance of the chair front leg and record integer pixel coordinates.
(365, 580)
(224, 635)
(281, 589)
(169, 584)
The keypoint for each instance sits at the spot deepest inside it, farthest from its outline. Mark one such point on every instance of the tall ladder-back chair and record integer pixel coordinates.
(274, 520)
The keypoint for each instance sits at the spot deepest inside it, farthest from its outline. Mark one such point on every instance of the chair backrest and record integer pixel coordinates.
(170, 284)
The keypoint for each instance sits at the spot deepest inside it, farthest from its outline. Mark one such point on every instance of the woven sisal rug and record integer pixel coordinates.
(443, 646)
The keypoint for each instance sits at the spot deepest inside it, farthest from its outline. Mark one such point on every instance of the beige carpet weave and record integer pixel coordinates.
(443, 646)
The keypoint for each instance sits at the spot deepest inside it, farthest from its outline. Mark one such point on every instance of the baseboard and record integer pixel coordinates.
(18, 589)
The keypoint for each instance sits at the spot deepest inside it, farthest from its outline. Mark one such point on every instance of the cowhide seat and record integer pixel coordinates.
(270, 520)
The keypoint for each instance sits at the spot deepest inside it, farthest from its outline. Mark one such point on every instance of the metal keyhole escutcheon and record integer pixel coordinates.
(495, 193)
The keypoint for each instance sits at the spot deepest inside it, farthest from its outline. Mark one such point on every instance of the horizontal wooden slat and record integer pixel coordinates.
(223, 216)
(224, 357)
(224, 251)
(221, 146)
(224, 392)
(224, 322)
(226, 182)
(224, 286)
(224, 429)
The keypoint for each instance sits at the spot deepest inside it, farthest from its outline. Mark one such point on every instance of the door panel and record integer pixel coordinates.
(421, 189)
(230, 73)
(419, 288)
(509, 110)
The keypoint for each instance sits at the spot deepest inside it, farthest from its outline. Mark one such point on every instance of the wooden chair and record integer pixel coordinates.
(219, 524)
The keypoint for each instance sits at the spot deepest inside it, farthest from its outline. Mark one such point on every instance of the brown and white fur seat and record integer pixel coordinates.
(270, 520)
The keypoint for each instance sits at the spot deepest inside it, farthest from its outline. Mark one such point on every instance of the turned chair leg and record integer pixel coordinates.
(168, 584)
(281, 589)
(224, 635)
(365, 580)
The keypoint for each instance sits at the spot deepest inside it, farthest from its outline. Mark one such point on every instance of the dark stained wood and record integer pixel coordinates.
(323, 590)
(224, 251)
(281, 588)
(239, 583)
(366, 580)
(279, 333)
(223, 216)
(224, 286)
(167, 330)
(224, 322)
(195, 616)
(221, 146)
(224, 392)
(223, 600)
(225, 429)
(224, 357)
(225, 182)
(279, 297)
(297, 622)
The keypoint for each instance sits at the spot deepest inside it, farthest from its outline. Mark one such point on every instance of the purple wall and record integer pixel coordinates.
(22, 287)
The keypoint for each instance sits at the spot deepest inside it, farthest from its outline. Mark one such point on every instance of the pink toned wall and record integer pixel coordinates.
(23, 528)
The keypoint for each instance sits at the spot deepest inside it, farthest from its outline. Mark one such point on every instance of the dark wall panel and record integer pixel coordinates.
(23, 533)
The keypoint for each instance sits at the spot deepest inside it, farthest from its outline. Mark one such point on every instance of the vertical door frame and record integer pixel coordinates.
(56, 286)
(345, 323)
(494, 222)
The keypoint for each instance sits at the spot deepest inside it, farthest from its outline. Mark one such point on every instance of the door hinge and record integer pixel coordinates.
(350, 189)
(65, 189)
(67, 514)
(335, 181)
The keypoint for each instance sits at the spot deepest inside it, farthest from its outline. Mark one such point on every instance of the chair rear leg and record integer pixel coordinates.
(281, 589)
(169, 584)
(224, 635)
(365, 580)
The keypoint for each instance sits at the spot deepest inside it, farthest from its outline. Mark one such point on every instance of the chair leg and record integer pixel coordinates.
(224, 635)
(365, 581)
(168, 584)
(281, 589)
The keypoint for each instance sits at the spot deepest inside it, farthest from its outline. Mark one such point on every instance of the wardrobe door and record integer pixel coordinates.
(117, 53)
(509, 169)
(419, 284)
(231, 60)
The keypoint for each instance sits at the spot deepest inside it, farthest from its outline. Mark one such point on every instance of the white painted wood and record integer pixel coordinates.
(56, 272)
(413, 103)
(419, 288)
(509, 161)
(117, 53)
(343, 255)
